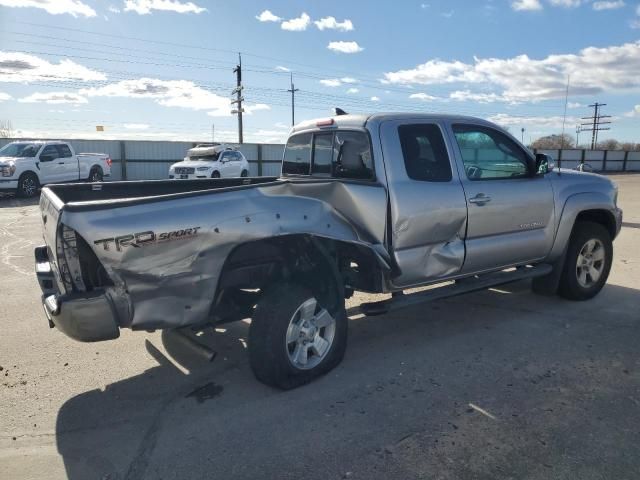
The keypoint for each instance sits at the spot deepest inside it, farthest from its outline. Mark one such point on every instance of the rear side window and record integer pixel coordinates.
(322, 154)
(297, 155)
(339, 154)
(64, 151)
(425, 154)
(352, 155)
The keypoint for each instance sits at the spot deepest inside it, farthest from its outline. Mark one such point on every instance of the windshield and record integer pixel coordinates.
(206, 158)
(19, 150)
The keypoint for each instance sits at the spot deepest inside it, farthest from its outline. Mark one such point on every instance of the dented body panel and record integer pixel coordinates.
(163, 246)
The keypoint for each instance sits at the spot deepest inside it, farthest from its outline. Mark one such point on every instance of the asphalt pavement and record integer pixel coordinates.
(498, 384)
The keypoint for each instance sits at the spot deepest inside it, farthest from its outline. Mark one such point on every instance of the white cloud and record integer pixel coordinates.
(267, 16)
(136, 126)
(353, 90)
(566, 3)
(331, 82)
(336, 82)
(25, 68)
(593, 70)
(575, 105)
(4, 97)
(280, 68)
(250, 108)
(145, 7)
(507, 120)
(633, 113)
(54, 7)
(169, 93)
(113, 9)
(468, 96)
(54, 98)
(330, 23)
(448, 14)
(296, 24)
(423, 96)
(375, 99)
(526, 5)
(345, 47)
(608, 5)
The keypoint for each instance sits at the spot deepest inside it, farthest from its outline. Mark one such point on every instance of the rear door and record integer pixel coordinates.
(510, 212)
(428, 207)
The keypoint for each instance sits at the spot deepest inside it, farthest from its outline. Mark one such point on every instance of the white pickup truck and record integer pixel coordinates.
(26, 165)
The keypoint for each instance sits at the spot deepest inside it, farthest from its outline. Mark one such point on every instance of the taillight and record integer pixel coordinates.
(109, 161)
(68, 260)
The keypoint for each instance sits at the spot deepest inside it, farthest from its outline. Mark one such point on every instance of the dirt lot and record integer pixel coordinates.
(497, 384)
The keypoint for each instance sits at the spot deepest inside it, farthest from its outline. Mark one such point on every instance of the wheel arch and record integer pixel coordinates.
(595, 207)
(305, 258)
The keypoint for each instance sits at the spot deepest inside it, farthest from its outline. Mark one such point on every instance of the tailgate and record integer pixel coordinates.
(50, 210)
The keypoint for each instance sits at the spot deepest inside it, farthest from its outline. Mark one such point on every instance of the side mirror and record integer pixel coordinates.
(46, 158)
(543, 164)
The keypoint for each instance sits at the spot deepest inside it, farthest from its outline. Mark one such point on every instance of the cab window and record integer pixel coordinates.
(488, 154)
(297, 155)
(425, 154)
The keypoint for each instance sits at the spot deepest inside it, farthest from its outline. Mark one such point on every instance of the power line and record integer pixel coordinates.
(293, 91)
(595, 123)
(239, 98)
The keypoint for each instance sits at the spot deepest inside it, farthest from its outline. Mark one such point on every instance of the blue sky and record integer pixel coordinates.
(162, 69)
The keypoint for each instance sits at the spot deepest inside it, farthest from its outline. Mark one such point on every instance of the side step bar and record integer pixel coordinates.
(461, 286)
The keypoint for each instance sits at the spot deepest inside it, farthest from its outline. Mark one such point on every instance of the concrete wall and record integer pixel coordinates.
(148, 160)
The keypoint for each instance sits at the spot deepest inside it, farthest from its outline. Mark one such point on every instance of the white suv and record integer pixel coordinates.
(210, 161)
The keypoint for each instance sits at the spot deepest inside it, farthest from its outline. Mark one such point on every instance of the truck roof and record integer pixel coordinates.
(360, 120)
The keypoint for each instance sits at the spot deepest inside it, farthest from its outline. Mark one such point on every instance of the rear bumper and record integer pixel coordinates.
(87, 316)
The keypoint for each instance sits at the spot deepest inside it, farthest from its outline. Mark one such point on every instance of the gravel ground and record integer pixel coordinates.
(497, 384)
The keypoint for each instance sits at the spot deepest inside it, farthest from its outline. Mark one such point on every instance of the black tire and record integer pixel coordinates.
(269, 353)
(215, 174)
(570, 286)
(95, 175)
(28, 185)
(244, 173)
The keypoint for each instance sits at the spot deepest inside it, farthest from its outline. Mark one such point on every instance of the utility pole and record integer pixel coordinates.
(213, 132)
(239, 99)
(522, 131)
(595, 122)
(578, 130)
(293, 91)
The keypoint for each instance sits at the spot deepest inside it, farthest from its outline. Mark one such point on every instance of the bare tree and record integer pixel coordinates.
(6, 129)
(554, 142)
(630, 146)
(609, 144)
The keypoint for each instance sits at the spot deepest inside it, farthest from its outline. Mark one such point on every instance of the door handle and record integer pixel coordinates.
(60, 163)
(480, 199)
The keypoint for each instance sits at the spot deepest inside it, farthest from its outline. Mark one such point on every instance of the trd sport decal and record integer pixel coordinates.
(141, 239)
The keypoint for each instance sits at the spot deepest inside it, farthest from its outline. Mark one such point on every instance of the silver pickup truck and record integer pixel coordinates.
(375, 203)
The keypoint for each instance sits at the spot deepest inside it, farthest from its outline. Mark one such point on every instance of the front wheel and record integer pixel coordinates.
(588, 262)
(215, 174)
(294, 338)
(28, 185)
(244, 173)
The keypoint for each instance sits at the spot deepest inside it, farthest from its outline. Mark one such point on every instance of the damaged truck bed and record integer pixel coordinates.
(376, 203)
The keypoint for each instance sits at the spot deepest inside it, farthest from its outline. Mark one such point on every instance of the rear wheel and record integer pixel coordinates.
(587, 263)
(28, 185)
(215, 174)
(294, 337)
(95, 175)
